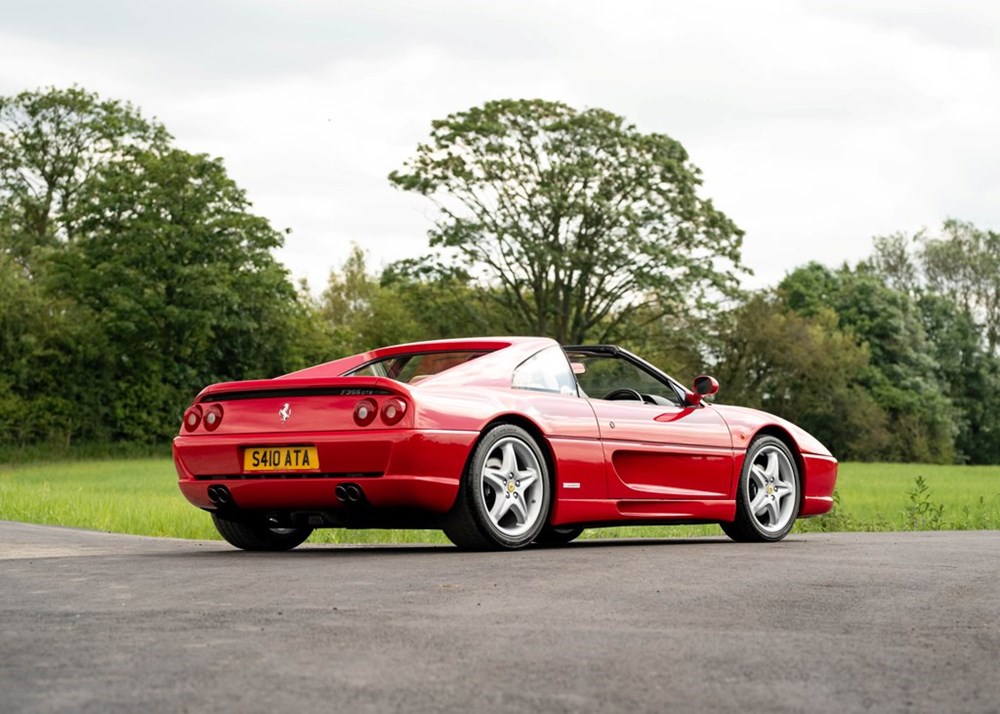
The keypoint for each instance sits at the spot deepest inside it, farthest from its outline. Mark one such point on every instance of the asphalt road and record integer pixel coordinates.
(93, 622)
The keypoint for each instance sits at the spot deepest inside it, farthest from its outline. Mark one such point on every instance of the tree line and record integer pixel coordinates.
(132, 273)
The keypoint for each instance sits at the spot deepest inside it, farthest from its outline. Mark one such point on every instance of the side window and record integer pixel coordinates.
(547, 371)
(603, 375)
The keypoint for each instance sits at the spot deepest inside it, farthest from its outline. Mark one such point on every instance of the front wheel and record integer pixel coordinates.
(767, 502)
(252, 535)
(503, 501)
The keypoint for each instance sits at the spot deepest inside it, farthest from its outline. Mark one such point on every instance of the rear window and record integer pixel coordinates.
(411, 368)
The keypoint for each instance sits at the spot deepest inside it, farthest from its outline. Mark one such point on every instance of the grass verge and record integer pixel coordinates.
(140, 496)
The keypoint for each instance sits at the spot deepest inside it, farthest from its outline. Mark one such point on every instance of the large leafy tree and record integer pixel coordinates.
(903, 375)
(963, 263)
(952, 278)
(365, 308)
(132, 273)
(179, 275)
(960, 263)
(571, 217)
(52, 142)
(971, 374)
(804, 369)
(45, 348)
(360, 313)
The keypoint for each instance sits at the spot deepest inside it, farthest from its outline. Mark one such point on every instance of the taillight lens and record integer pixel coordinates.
(213, 417)
(365, 412)
(393, 410)
(192, 418)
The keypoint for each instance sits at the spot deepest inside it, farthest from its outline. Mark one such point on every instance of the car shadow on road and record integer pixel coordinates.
(327, 550)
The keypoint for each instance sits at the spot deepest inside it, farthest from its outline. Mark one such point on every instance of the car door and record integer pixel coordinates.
(658, 448)
(664, 452)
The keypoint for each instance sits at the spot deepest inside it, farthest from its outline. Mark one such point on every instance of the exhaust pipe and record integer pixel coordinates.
(349, 493)
(220, 495)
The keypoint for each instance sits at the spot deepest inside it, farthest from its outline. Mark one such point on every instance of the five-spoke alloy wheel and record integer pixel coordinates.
(767, 501)
(503, 502)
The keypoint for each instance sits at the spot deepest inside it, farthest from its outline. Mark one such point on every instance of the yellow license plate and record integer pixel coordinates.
(281, 458)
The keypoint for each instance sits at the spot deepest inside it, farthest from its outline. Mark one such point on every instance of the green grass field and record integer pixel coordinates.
(140, 496)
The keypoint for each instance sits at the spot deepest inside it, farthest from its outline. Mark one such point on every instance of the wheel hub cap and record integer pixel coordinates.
(771, 490)
(512, 487)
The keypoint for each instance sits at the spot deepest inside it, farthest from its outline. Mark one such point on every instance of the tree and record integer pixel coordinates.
(177, 277)
(902, 378)
(360, 312)
(132, 273)
(444, 301)
(971, 375)
(894, 262)
(806, 370)
(961, 263)
(52, 142)
(964, 264)
(571, 217)
(42, 388)
(405, 302)
(952, 280)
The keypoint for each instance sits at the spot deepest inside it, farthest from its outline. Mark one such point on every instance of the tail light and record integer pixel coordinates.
(213, 417)
(192, 418)
(365, 412)
(393, 410)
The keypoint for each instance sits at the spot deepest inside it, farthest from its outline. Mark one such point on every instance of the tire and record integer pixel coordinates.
(558, 535)
(503, 500)
(258, 536)
(768, 495)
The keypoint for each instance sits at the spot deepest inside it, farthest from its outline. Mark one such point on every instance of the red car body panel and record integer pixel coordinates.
(611, 461)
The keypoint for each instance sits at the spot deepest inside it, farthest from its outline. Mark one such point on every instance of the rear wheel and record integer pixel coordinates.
(254, 535)
(503, 501)
(558, 535)
(767, 502)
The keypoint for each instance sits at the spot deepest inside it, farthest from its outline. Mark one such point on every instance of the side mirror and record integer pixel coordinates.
(704, 386)
(578, 367)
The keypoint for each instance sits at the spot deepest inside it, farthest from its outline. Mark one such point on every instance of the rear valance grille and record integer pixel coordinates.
(299, 392)
(279, 476)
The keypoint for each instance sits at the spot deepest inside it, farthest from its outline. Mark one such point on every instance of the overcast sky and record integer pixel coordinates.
(817, 124)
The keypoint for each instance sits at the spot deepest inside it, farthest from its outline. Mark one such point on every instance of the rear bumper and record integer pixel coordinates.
(405, 468)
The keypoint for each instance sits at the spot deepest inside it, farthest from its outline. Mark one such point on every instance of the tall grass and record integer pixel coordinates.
(61, 451)
(137, 496)
(140, 496)
(894, 497)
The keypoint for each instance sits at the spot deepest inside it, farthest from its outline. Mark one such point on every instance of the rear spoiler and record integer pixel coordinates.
(277, 388)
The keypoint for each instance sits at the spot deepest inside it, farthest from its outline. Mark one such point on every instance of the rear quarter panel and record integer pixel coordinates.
(566, 423)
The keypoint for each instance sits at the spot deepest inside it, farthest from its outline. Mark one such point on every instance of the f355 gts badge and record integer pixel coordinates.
(285, 412)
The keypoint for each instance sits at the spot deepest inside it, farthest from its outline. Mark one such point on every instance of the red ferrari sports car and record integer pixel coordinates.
(500, 442)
